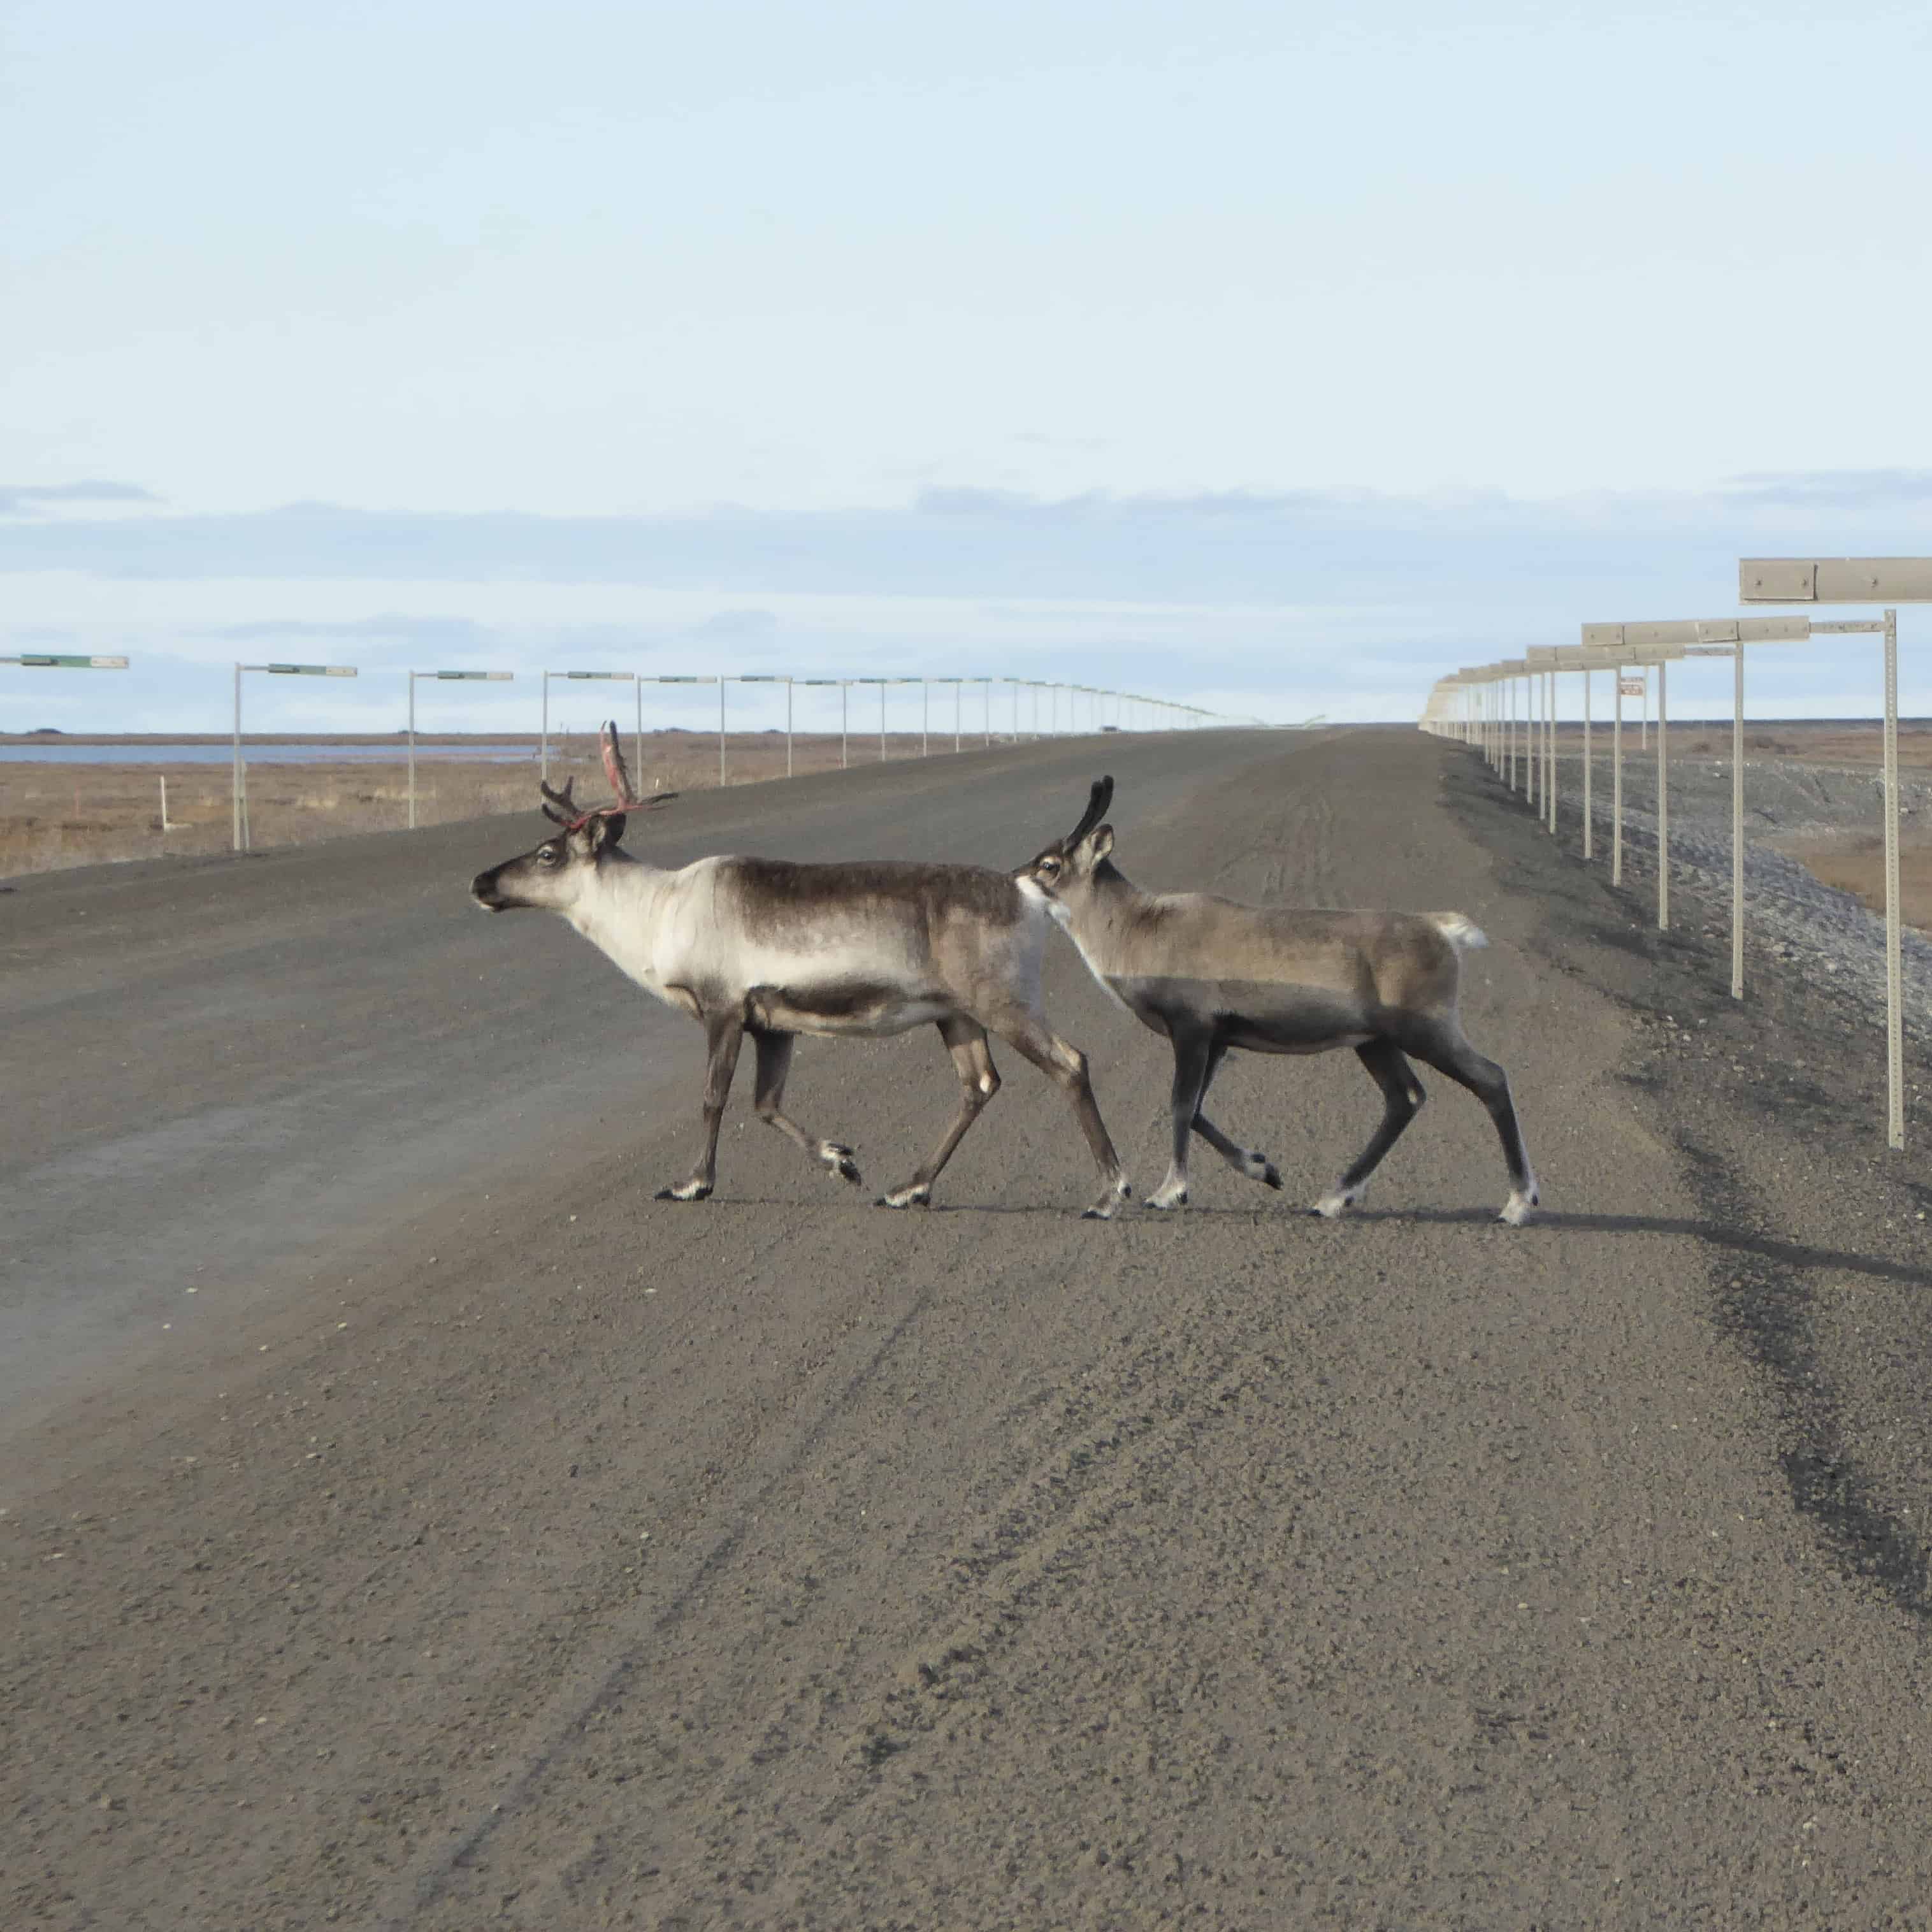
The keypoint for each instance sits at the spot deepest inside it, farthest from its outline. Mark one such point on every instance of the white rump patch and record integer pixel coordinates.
(1459, 929)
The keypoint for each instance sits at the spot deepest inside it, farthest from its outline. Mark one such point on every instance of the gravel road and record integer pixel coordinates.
(409, 1522)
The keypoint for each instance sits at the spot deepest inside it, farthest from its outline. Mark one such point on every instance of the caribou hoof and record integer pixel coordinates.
(915, 1194)
(685, 1190)
(1261, 1169)
(1332, 1207)
(841, 1161)
(1166, 1198)
(1109, 1205)
(1517, 1208)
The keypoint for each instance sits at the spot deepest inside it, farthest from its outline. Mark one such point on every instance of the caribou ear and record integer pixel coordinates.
(605, 830)
(1102, 843)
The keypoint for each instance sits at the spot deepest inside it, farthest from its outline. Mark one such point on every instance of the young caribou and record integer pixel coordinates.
(764, 947)
(1211, 973)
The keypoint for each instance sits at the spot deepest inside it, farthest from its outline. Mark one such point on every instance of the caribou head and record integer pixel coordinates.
(553, 877)
(1064, 873)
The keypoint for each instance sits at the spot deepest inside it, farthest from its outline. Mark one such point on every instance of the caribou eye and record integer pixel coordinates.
(1049, 866)
(546, 855)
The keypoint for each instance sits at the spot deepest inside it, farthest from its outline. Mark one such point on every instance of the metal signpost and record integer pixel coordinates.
(1511, 670)
(775, 677)
(988, 694)
(957, 684)
(1542, 662)
(1727, 638)
(1574, 657)
(720, 682)
(844, 692)
(881, 682)
(581, 677)
(1888, 581)
(1640, 644)
(882, 701)
(67, 661)
(446, 677)
(52, 661)
(1661, 656)
(239, 798)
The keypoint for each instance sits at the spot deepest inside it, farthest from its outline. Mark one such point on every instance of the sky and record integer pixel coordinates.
(1272, 358)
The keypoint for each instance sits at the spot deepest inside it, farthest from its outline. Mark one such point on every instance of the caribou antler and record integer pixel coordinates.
(562, 808)
(614, 768)
(1098, 799)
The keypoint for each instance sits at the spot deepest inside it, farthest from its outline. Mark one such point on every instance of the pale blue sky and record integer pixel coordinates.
(1427, 334)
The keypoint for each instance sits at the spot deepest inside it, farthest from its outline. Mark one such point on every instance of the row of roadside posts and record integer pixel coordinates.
(1130, 710)
(1507, 710)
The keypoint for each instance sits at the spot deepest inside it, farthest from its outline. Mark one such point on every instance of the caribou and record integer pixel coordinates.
(770, 948)
(1212, 974)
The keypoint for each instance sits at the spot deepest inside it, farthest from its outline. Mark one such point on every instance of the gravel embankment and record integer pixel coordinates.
(1788, 909)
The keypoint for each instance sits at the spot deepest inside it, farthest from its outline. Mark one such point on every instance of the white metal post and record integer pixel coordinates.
(1894, 980)
(1589, 829)
(722, 681)
(924, 717)
(543, 753)
(240, 800)
(448, 677)
(1539, 743)
(1863, 580)
(1549, 740)
(1662, 799)
(235, 782)
(1617, 784)
(1535, 745)
(1738, 820)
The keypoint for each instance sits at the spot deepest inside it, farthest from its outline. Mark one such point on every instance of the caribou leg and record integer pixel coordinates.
(774, 1063)
(1402, 1097)
(724, 1034)
(979, 1081)
(1245, 1161)
(1066, 1066)
(1440, 1044)
(1193, 1054)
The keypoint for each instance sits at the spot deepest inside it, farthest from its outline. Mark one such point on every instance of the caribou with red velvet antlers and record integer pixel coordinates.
(1212, 974)
(773, 949)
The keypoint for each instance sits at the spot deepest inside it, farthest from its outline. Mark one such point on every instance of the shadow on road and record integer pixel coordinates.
(1786, 1254)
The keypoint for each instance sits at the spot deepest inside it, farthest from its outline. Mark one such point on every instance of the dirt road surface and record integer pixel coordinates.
(410, 1522)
